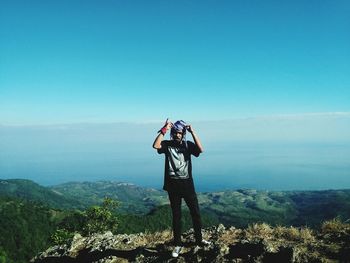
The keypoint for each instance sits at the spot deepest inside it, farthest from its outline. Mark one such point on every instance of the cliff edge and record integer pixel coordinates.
(259, 243)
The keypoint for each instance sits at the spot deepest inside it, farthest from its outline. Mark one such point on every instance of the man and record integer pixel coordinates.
(178, 181)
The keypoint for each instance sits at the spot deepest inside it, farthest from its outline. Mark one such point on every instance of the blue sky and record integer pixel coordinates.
(110, 61)
(85, 85)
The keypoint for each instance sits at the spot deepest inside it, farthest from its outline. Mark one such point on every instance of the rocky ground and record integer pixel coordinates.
(259, 243)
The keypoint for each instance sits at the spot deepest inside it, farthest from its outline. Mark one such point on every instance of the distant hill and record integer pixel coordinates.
(133, 198)
(30, 213)
(231, 207)
(298, 208)
(31, 191)
(79, 195)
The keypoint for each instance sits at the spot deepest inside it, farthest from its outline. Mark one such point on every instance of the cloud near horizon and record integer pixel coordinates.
(57, 153)
(330, 126)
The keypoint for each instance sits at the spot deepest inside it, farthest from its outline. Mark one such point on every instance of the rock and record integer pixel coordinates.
(221, 228)
(227, 245)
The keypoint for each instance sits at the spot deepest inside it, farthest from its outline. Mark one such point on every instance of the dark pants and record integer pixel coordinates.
(192, 203)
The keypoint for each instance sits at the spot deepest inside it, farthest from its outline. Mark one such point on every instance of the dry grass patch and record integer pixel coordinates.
(335, 226)
(158, 237)
(260, 231)
(230, 236)
(305, 235)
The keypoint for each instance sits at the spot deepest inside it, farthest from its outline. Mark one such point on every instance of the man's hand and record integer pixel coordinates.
(189, 128)
(195, 138)
(167, 125)
(157, 142)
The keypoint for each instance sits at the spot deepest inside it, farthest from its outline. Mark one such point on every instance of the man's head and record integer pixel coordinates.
(178, 131)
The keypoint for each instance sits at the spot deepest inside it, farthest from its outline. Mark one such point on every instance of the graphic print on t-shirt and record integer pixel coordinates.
(178, 164)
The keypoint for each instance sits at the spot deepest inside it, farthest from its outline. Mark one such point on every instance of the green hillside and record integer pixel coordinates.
(233, 207)
(30, 213)
(134, 199)
(29, 190)
(25, 229)
(79, 195)
(298, 208)
(315, 206)
(243, 207)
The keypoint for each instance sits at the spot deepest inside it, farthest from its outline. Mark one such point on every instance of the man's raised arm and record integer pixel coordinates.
(195, 137)
(157, 142)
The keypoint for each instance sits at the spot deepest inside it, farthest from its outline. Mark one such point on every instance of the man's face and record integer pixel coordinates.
(177, 136)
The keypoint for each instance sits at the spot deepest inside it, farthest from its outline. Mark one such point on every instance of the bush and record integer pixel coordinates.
(99, 219)
(3, 256)
(95, 219)
(61, 236)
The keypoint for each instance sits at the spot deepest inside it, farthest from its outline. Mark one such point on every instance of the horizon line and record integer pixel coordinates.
(257, 117)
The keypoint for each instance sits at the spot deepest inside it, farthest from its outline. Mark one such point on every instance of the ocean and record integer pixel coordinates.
(223, 165)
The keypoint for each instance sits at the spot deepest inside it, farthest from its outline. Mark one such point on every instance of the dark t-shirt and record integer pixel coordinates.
(178, 165)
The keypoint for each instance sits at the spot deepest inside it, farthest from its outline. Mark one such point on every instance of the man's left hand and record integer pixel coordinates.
(189, 128)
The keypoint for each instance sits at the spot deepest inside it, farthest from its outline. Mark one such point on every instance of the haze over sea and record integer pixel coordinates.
(302, 152)
(85, 85)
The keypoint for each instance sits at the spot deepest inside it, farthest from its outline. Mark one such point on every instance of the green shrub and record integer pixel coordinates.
(95, 219)
(3, 256)
(99, 219)
(61, 236)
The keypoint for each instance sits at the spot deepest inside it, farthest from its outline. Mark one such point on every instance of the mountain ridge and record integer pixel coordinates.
(28, 210)
(232, 207)
(32, 191)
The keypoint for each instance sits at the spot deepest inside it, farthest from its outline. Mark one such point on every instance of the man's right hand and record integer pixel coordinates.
(167, 125)
(157, 142)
